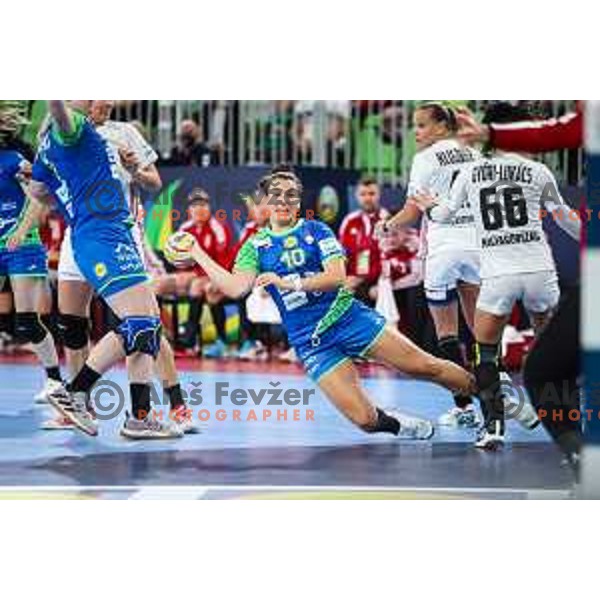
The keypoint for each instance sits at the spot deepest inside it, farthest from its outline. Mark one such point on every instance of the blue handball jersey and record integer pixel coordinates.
(12, 198)
(82, 171)
(301, 251)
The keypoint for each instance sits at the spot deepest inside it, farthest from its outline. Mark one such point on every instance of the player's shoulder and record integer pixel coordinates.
(117, 129)
(541, 170)
(10, 155)
(187, 225)
(220, 228)
(259, 239)
(10, 161)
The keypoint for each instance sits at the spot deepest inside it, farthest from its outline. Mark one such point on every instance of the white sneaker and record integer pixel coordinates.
(522, 412)
(182, 418)
(460, 417)
(148, 429)
(517, 404)
(73, 407)
(50, 387)
(490, 437)
(412, 428)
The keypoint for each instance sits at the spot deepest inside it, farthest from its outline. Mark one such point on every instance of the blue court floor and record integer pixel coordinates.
(238, 456)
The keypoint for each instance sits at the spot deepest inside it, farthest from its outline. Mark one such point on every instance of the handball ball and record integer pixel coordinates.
(178, 249)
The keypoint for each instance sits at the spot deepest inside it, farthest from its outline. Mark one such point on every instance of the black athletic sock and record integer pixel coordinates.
(175, 396)
(140, 399)
(449, 347)
(84, 380)
(385, 424)
(218, 315)
(53, 373)
(487, 375)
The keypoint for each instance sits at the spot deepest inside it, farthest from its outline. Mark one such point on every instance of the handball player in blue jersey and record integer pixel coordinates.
(26, 266)
(80, 169)
(302, 265)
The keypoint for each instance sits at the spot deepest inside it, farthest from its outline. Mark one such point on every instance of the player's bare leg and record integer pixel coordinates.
(74, 298)
(343, 388)
(166, 372)
(138, 338)
(468, 294)
(397, 351)
(127, 304)
(488, 332)
(446, 322)
(27, 292)
(499, 396)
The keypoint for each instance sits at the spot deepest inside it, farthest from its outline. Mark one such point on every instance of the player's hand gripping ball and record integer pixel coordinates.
(178, 249)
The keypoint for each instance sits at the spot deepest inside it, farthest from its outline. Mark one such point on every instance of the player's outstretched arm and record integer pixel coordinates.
(444, 211)
(32, 216)
(405, 217)
(146, 176)
(332, 278)
(62, 116)
(234, 284)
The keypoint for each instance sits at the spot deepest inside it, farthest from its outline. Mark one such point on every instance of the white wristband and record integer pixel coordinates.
(298, 284)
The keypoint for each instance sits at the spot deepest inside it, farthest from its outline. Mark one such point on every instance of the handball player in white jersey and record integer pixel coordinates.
(507, 195)
(450, 249)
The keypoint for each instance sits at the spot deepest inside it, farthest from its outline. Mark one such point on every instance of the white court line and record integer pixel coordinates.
(189, 492)
(166, 493)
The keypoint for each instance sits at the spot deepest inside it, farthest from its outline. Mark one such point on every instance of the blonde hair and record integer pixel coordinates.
(13, 116)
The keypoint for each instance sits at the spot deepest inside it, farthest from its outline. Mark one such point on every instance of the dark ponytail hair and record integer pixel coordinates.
(441, 113)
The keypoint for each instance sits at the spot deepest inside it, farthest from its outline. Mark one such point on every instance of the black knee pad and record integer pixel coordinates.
(74, 331)
(29, 328)
(7, 323)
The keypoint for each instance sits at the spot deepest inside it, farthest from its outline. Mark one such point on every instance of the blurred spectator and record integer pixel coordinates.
(336, 114)
(279, 132)
(52, 232)
(357, 236)
(190, 149)
(215, 237)
(254, 336)
(400, 259)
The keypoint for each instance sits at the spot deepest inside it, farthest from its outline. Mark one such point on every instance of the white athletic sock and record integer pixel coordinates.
(46, 352)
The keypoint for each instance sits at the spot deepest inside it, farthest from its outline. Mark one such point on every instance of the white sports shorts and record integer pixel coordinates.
(539, 292)
(444, 271)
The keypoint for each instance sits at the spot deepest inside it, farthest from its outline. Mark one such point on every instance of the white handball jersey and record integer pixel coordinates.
(125, 135)
(434, 171)
(506, 194)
